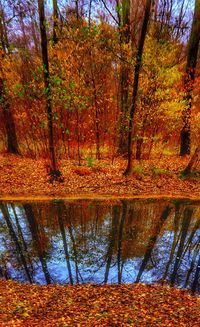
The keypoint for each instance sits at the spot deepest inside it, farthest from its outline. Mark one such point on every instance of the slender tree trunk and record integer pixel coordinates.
(95, 103)
(12, 144)
(136, 83)
(77, 9)
(192, 56)
(47, 83)
(192, 165)
(124, 78)
(89, 14)
(55, 22)
(34, 29)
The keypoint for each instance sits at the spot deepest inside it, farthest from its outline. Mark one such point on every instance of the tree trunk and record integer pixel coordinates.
(124, 77)
(192, 165)
(12, 144)
(55, 22)
(192, 55)
(136, 83)
(47, 83)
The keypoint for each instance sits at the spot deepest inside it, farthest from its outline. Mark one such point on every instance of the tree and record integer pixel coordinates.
(124, 30)
(192, 55)
(136, 83)
(53, 169)
(55, 21)
(12, 144)
(194, 161)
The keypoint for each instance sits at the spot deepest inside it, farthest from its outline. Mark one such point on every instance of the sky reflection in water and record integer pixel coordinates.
(101, 242)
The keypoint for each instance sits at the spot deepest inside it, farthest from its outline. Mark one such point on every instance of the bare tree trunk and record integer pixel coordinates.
(193, 162)
(12, 144)
(124, 78)
(55, 22)
(77, 9)
(192, 56)
(47, 83)
(34, 29)
(136, 83)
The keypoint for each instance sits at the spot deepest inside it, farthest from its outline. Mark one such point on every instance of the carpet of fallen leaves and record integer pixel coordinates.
(24, 176)
(97, 305)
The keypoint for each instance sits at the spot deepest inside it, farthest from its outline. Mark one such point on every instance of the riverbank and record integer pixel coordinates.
(97, 305)
(25, 177)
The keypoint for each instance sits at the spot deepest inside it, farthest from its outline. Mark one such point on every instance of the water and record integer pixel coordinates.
(148, 241)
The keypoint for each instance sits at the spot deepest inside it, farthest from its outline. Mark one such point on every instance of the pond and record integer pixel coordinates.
(124, 241)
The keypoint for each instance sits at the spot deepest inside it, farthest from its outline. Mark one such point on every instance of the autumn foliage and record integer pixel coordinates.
(90, 305)
(86, 64)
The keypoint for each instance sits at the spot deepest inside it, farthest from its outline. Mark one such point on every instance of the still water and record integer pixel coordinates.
(148, 241)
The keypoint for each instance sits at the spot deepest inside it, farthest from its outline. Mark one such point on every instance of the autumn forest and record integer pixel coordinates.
(100, 162)
(99, 79)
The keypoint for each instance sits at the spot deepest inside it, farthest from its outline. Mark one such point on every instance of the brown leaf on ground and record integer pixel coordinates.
(102, 305)
(27, 177)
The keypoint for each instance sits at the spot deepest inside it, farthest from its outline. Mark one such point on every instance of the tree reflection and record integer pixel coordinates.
(60, 209)
(38, 240)
(16, 241)
(152, 241)
(124, 241)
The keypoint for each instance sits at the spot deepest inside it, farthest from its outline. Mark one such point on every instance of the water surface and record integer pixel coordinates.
(125, 241)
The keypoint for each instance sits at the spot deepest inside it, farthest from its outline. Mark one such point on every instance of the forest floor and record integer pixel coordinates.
(97, 305)
(28, 178)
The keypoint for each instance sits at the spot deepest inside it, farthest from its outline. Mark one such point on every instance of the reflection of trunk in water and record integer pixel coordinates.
(14, 237)
(184, 230)
(196, 283)
(3, 269)
(78, 274)
(192, 265)
(19, 227)
(21, 236)
(62, 230)
(152, 242)
(121, 227)
(177, 217)
(111, 244)
(37, 240)
(190, 238)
